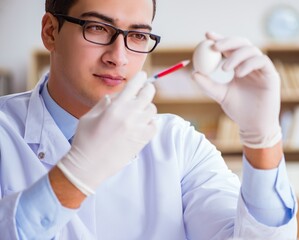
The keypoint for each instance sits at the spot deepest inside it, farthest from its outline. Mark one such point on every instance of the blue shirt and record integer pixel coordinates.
(64, 120)
(178, 184)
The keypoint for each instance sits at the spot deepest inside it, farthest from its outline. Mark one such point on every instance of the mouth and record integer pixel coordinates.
(110, 80)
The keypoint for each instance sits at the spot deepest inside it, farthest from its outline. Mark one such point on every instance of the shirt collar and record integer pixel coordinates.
(65, 121)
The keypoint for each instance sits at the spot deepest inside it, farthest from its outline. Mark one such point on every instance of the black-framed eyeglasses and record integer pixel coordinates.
(105, 34)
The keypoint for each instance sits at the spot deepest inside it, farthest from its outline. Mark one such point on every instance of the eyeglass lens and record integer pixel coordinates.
(102, 34)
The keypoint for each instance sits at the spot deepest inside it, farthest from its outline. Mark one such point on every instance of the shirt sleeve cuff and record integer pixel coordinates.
(268, 195)
(40, 213)
(267, 189)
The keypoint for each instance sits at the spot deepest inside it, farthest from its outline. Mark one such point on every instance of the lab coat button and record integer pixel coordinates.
(41, 155)
(45, 222)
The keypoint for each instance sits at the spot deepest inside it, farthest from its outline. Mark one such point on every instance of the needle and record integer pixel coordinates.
(169, 70)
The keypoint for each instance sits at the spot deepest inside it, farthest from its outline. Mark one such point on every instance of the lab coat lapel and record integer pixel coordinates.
(41, 129)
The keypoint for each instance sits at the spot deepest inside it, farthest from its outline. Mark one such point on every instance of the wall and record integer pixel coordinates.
(20, 33)
(185, 22)
(180, 23)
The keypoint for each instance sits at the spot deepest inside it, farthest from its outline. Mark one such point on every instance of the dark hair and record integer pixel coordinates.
(63, 6)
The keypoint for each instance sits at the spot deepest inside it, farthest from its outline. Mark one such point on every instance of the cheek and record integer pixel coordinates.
(137, 64)
(76, 57)
(72, 47)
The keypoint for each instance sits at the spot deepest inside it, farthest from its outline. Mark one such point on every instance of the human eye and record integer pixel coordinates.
(139, 36)
(96, 28)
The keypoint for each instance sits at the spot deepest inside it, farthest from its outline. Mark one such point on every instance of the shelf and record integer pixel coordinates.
(291, 96)
(207, 116)
(40, 61)
(200, 99)
(163, 58)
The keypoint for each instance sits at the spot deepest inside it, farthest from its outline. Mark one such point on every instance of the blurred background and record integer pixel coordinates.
(180, 23)
(272, 25)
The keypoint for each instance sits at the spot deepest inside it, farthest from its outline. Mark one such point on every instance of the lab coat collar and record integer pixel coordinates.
(41, 128)
(35, 115)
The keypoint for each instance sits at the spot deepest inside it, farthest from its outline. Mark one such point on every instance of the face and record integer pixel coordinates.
(82, 72)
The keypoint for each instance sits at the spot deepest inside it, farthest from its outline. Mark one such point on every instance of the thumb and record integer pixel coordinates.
(214, 36)
(211, 88)
(133, 86)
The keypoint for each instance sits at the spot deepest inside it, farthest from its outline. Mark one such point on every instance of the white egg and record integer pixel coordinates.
(205, 59)
(209, 62)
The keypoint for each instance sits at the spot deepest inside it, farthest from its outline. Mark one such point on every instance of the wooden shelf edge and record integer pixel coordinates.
(160, 99)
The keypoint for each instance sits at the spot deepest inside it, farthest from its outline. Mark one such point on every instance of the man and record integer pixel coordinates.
(132, 174)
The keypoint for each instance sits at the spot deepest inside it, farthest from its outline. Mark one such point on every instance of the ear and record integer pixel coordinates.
(49, 30)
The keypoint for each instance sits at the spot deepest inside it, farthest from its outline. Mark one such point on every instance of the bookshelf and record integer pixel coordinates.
(39, 62)
(177, 93)
(207, 116)
(286, 59)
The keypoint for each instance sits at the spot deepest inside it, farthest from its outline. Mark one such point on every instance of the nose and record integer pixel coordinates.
(116, 53)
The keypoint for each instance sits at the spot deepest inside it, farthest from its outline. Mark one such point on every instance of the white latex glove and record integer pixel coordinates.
(111, 135)
(252, 98)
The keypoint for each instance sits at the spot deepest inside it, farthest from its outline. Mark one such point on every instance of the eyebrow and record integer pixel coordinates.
(111, 20)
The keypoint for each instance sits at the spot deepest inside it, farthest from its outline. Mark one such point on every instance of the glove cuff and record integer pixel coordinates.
(256, 141)
(69, 174)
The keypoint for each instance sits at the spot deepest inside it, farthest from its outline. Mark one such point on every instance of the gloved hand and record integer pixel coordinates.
(111, 135)
(252, 98)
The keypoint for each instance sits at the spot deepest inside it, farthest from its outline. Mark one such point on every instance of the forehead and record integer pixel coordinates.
(123, 12)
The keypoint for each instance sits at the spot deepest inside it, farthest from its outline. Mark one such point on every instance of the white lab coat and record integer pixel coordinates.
(178, 188)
